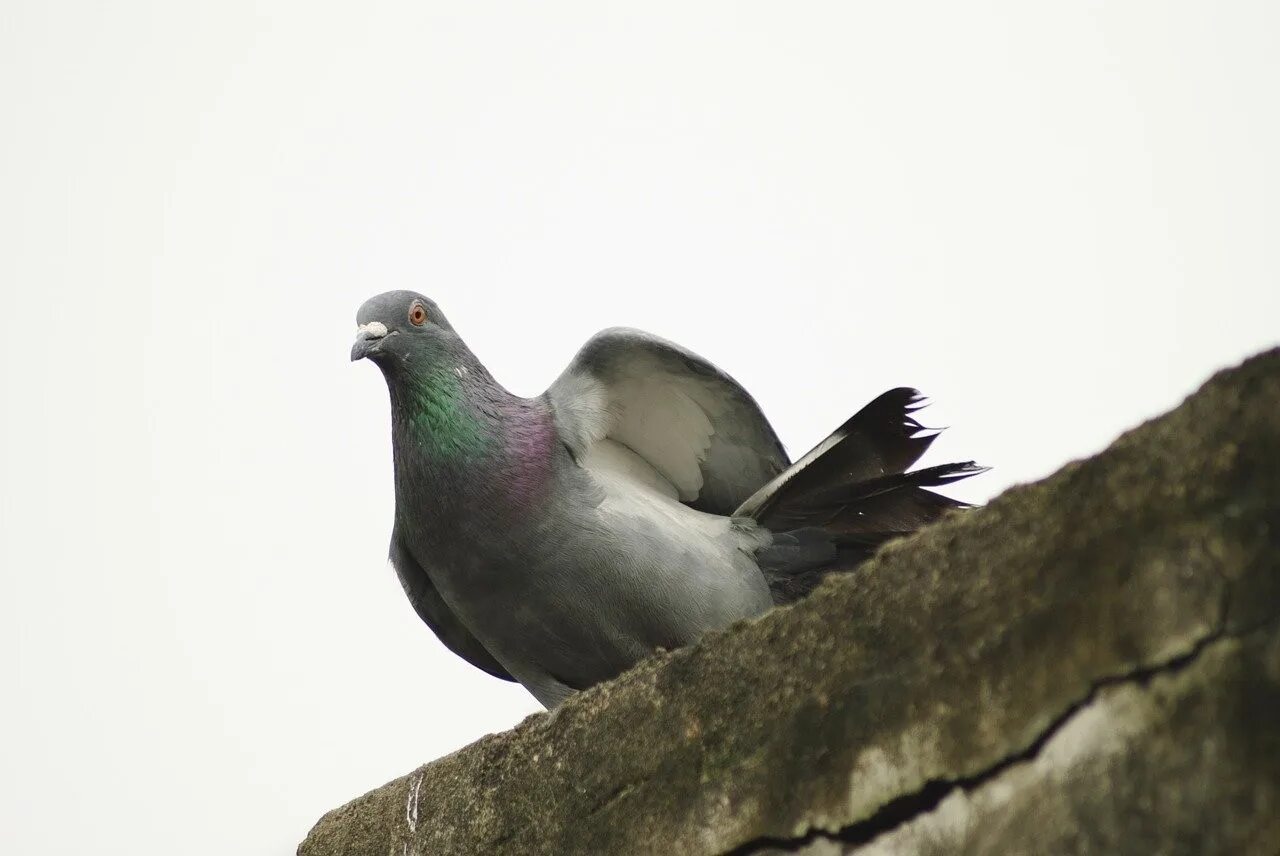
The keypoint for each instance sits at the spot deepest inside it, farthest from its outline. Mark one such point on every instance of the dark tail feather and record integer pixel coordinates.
(847, 499)
(896, 503)
(882, 438)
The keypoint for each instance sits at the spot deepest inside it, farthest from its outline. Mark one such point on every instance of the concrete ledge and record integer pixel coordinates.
(1088, 663)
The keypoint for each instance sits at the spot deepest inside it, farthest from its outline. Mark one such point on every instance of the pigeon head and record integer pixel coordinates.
(400, 329)
(447, 411)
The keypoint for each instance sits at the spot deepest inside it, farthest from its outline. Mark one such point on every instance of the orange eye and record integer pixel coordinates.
(417, 315)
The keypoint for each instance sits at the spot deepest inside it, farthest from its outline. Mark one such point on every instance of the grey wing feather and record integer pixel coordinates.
(680, 414)
(432, 609)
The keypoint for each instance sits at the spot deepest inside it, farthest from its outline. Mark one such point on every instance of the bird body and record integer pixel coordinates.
(558, 540)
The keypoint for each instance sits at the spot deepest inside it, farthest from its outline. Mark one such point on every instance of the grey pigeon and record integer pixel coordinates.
(639, 502)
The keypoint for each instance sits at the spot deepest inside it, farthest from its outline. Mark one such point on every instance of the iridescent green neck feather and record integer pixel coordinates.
(442, 420)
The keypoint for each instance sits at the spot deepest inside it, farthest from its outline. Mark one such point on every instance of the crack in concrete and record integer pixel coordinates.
(618, 793)
(908, 807)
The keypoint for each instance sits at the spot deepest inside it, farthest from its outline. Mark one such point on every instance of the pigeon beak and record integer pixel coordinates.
(368, 336)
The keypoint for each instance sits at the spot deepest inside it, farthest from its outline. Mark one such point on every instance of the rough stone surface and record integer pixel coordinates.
(1088, 664)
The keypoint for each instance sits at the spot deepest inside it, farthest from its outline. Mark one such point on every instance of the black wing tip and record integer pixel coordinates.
(947, 473)
(907, 400)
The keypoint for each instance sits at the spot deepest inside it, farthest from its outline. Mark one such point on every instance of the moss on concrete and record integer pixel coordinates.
(934, 670)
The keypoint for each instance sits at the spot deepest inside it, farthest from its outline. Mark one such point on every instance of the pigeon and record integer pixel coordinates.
(640, 502)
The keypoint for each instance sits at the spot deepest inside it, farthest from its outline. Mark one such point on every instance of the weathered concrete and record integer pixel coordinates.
(1186, 760)
(1088, 664)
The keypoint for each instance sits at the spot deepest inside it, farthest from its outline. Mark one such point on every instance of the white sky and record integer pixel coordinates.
(1055, 219)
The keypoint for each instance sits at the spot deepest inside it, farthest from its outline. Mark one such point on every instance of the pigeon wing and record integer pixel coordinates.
(636, 403)
(432, 609)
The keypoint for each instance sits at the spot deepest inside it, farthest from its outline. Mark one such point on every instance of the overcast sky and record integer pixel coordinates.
(1056, 219)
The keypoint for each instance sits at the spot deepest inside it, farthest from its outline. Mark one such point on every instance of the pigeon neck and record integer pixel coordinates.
(460, 433)
(441, 411)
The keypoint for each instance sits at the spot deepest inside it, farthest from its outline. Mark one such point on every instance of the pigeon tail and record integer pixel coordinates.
(834, 508)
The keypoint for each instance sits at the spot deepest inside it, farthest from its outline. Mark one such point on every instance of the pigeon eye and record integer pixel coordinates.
(417, 315)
